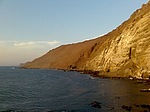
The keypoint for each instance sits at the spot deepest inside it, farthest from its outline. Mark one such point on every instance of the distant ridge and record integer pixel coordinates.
(124, 52)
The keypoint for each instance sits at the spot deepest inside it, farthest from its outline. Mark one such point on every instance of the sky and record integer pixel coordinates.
(30, 28)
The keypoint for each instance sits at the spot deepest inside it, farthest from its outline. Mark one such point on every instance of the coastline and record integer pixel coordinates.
(98, 74)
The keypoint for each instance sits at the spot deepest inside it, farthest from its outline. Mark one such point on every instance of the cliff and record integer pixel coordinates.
(121, 53)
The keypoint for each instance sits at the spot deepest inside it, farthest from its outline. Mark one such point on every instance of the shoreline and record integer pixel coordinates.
(97, 74)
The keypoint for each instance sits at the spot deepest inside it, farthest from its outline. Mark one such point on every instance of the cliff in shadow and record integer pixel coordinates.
(121, 53)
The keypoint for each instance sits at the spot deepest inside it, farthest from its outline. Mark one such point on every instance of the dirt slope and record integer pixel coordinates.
(123, 52)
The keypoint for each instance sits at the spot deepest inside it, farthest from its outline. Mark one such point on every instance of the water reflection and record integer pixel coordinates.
(58, 91)
(116, 93)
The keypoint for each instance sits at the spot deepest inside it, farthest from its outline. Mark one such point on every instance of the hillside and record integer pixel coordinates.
(121, 53)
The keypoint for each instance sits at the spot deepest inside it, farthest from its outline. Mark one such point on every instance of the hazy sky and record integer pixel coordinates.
(30, 28)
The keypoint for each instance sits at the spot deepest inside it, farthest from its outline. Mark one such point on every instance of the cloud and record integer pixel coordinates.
(53, 42)
(24, 44)
(16, 52)
(36, 43)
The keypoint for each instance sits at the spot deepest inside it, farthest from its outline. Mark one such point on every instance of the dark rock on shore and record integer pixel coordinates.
(128, 108)
(145, 106)
(96, 104)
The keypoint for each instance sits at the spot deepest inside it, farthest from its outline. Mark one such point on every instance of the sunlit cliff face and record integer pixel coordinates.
(129, 52)
(121, 53)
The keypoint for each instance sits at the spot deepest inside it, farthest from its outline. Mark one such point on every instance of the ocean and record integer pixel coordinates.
(45, 90)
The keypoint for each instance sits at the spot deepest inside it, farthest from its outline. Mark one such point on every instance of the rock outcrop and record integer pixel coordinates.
(124, 52)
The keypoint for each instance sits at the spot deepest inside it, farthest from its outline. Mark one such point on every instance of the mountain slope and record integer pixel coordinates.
(123, 52)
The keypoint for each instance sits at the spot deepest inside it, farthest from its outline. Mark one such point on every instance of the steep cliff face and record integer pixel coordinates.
(123, 52)
(129, 52)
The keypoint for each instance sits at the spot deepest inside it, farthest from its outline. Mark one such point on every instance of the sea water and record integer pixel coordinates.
(44, 90)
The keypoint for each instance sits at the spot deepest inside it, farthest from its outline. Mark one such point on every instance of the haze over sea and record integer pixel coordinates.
(44, 90)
